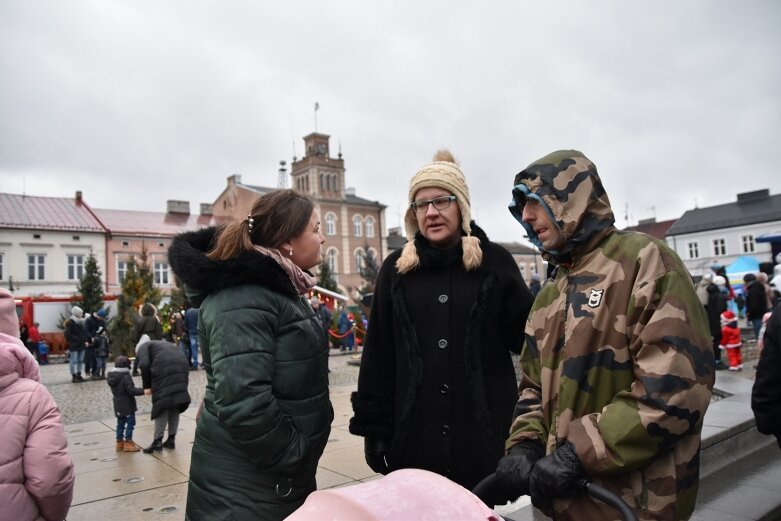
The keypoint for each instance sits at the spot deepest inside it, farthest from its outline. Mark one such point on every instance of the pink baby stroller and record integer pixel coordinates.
(401, 495)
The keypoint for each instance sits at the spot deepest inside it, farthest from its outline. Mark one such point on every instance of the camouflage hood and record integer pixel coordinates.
(568, 186)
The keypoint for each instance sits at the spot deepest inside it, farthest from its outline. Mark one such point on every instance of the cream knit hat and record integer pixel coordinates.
(443, 173)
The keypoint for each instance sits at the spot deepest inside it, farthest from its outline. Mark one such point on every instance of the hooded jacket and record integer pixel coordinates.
(766, 394)
(267, 414)
(123, 390)
(437, 381)
(36, 471)
(617, 358)
(165, 371)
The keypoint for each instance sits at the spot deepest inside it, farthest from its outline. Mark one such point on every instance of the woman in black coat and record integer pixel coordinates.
(165, 371)
(437, 386)
(766, 395)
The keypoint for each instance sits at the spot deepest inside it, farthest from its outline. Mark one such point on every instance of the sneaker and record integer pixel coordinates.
(734, 368)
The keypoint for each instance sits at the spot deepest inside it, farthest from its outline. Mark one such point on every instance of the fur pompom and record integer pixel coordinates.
(409, 258)
(473, 255)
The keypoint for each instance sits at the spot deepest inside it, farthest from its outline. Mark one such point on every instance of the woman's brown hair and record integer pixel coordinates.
(277, 217)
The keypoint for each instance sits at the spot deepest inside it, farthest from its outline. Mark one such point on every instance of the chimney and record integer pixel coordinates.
(349, 191)
(235, 179)
(207, 209)
(756, 195)
(182, 207)
(78, 196)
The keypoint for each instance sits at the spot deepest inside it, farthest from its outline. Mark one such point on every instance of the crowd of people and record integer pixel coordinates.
(618, 350)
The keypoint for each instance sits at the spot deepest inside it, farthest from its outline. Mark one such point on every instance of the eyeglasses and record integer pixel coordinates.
(440, 203)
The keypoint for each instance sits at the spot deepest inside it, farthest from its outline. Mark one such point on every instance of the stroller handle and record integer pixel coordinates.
(490, 483)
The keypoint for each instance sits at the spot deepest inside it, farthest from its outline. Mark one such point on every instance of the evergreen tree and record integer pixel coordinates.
(89, 291)
(325, 278)
(137, 288)
(370, 269)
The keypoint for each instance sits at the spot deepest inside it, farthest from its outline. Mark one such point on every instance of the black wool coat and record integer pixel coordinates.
(766, 394)
(123, 390)
(164, 369)
(436, 379)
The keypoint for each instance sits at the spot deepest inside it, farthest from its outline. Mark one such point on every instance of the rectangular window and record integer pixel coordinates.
(161, 273)
(694, 250)
(719, 247)
(121, 271)
(75, 267)
(35, 267)
(748, 243)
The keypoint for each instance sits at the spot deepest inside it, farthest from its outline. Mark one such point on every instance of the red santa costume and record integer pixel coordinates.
(730, 340)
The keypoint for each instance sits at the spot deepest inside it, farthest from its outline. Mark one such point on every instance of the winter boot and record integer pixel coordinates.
(120, 445)
(81, 378)
(130, 446)
(75, 379)
(156, 446)
(170, 443)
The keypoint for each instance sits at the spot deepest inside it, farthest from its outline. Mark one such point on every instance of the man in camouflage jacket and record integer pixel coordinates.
(617, 364)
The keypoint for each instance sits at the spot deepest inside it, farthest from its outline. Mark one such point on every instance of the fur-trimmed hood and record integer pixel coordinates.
(202, 275)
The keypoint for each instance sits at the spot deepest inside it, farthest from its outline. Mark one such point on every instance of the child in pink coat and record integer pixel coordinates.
(730, 340)
(36, 471)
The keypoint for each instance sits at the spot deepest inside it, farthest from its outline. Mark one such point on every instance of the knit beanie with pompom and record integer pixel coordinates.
(443, 173)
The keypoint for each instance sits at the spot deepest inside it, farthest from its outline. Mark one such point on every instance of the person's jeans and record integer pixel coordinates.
(100, 365)
(184, 347)
(125, 426)
(756, 323)
(89, 360)
(194, 349)
(76, 359)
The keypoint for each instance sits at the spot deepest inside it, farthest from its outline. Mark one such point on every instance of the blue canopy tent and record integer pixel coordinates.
(740, 267)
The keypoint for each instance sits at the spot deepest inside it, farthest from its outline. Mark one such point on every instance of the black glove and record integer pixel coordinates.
(374, 450)
(557, 475)
(514, 469)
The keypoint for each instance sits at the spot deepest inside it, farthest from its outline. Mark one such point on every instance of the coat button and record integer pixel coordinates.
(442, 343)
(443, 389)
(445, 430)
(442, 299)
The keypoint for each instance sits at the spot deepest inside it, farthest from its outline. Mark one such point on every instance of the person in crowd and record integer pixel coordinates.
(124, 393)
(36, 470)
(756, 302)
(702, 287)
(92, 323)
(147, 324)
(717, 304)
(323, 313)
(730, 340)
(763, 279)
(535, 286)
(191, 324)
(101, 348)
(34, 339)
(178, 333)
(77, 340)
(766, 393)
(436, 387)
(164, 373)
(24, 336)
(617, 365)
(266, 412)
(761, 341)
(347, 330)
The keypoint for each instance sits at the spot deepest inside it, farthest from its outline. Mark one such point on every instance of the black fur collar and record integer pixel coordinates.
(187, 256)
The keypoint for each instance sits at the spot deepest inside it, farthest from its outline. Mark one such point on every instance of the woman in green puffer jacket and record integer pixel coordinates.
(266, 413)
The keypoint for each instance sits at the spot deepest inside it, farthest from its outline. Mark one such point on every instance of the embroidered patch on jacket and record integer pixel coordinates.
(595, 299)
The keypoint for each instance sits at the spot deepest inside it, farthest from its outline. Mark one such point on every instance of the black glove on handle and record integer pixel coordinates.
(374, 450)
(557, 475)
(514, 469)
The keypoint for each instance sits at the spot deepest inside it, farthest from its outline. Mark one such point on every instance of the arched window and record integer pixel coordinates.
(357, 226)
(332, 183)
(370, 226)
(330, 224)
(358, 261)
(330, 259)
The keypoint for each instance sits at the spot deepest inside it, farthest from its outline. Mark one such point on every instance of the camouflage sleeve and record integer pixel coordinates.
(527, 418)
(667, 331)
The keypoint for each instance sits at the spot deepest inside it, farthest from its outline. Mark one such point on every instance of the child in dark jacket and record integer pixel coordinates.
(730, 340)
(125, 392)
(100, 347)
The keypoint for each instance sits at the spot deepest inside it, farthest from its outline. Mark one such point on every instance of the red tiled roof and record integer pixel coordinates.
(53, 213)
(653, 229)
(152, 224)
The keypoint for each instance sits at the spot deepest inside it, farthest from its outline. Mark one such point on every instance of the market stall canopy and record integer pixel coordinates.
(739, 268)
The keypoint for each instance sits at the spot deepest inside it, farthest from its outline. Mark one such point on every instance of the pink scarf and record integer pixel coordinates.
(301, 280)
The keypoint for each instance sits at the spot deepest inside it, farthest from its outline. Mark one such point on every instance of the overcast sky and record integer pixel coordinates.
(135, 103)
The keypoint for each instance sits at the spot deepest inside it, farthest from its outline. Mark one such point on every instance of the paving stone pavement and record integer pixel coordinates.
(136, 486)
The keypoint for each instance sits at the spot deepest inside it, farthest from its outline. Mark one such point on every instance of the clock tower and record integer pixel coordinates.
(317, 174)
